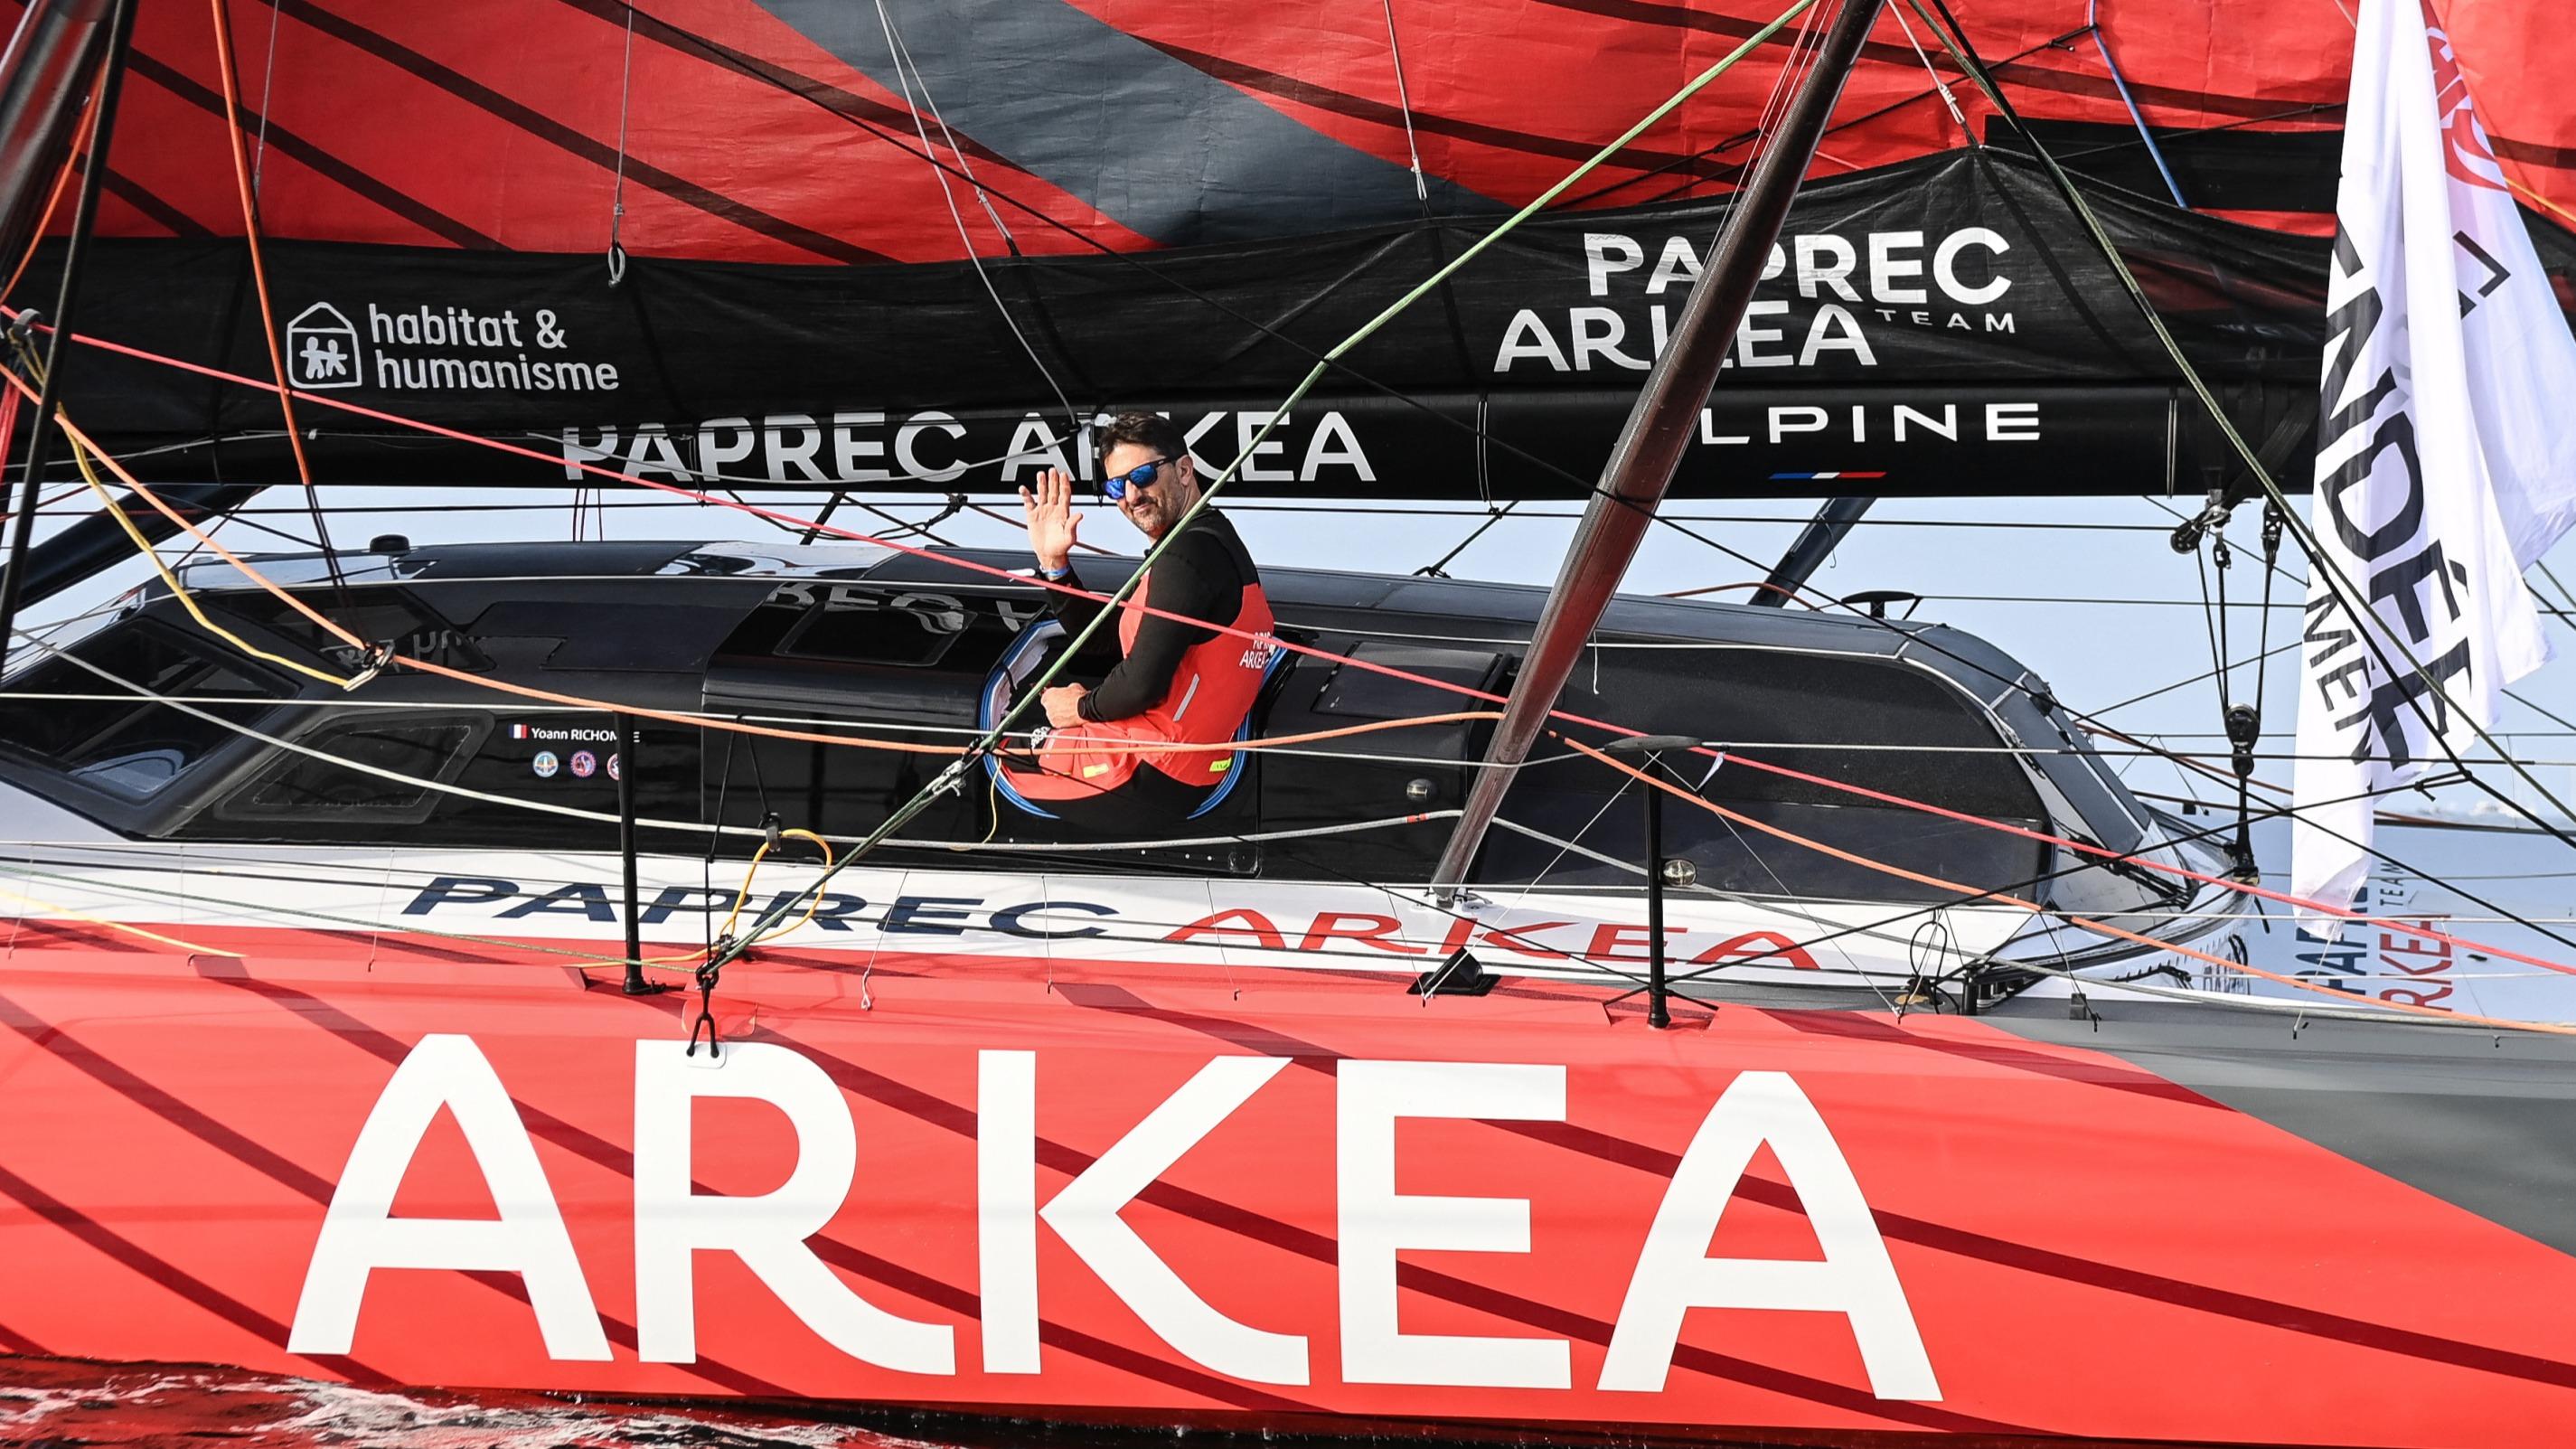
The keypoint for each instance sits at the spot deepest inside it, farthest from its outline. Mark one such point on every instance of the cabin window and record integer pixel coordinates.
(373, 613)
(842, 623)
(1355, 692)
(1839, 720)
(382, 771)
(93, 730)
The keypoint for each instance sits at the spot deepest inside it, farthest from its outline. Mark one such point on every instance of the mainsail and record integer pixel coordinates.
(717, 242)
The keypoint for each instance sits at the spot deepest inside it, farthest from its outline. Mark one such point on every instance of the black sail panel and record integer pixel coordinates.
(1937, 327)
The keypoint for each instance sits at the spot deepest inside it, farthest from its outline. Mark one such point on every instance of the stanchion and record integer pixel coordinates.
(624, 765)
(1650, 752)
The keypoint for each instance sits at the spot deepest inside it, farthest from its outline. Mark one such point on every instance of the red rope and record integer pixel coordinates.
(2339, 912)
(259, 276)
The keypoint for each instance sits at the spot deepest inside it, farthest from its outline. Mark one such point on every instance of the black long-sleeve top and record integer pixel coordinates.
(1201, 576)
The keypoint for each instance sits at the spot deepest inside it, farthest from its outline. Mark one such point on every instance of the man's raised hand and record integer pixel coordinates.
(1051, 519)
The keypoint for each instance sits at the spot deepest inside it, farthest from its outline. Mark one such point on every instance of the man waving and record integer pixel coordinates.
(1194, 654)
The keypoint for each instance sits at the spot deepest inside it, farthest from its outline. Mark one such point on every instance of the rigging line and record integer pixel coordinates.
(2271, 536)
(1054, 667)
(2528, 703)
(716, 55)
(107, 505)
(1400, 898)
(1116, 601)
(2322, 566)
(1439, 568)
(1340, 509)
(2191, 762)
(920, 800)
(965, 163)
(2143, 751)
(617, 186)
(2371, 849)
(2119, 82)
(84, 137)
(1791, 906)
(2085, 847)
(1948, 100)
(2178, 516)
(1883, 928)
(2281, 648)
(1712, 150)
(387, 656)
(2100, 927)
(221, 14)
(1404, 103)
(1108, 602)
(1795, 64)
(185, 897)
(574, 812)
(906, 76)
(267, 87)
(2218, 671)
(2546, 572)
(57, 908)
(2384, 857)
(1041, 848)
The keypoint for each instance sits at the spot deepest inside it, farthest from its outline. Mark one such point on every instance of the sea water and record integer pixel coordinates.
(62, 1403)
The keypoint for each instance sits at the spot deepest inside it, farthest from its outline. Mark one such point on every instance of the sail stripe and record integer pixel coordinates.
(1324, 98)
(2041, 78)
(1171, 152)
(833, 98)
(135, 194)
(565, 138)
(289, 143)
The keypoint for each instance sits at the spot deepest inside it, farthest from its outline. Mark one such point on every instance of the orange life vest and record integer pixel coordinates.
(1212, 692)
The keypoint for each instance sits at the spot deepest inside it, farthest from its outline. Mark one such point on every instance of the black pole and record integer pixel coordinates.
(1815, 543)
(22, 531)
(1649, 750)
(1658, 1015)
(623, 764)
(1659, 430)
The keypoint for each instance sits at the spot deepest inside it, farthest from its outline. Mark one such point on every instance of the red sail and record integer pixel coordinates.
(782, 132)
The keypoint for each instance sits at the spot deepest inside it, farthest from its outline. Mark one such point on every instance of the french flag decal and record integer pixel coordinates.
(518, 732)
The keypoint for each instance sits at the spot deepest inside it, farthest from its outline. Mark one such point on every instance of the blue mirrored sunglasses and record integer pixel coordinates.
(1140, 476)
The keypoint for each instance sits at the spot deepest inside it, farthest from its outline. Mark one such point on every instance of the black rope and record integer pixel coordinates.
(2322, 566)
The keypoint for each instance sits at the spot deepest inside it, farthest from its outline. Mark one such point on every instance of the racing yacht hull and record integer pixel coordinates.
(1091, 1182)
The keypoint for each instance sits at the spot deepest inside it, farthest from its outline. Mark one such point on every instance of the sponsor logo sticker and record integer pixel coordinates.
(584, 763)
(545, 764)
(322, 348)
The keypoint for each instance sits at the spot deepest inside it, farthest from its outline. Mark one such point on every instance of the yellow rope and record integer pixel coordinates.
(742, 898)
(54, 908)
(2543, 202)
(143, 546)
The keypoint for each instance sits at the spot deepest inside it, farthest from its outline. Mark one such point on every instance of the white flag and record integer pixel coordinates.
(2446, 446)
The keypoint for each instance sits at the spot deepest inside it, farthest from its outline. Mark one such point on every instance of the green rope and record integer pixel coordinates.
(2323, 566)
(950, 778)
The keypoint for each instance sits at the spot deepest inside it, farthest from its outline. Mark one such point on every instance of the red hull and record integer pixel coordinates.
(2075, 1248)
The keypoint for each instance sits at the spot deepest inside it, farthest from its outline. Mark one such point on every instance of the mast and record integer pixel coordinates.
(1659, 428)
(47, 66)
(1815, 543)
(119, 40)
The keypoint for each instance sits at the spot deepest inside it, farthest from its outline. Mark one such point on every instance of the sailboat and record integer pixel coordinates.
(623, 967)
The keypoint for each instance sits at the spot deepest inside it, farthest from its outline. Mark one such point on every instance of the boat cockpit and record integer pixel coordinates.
(147, 726)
